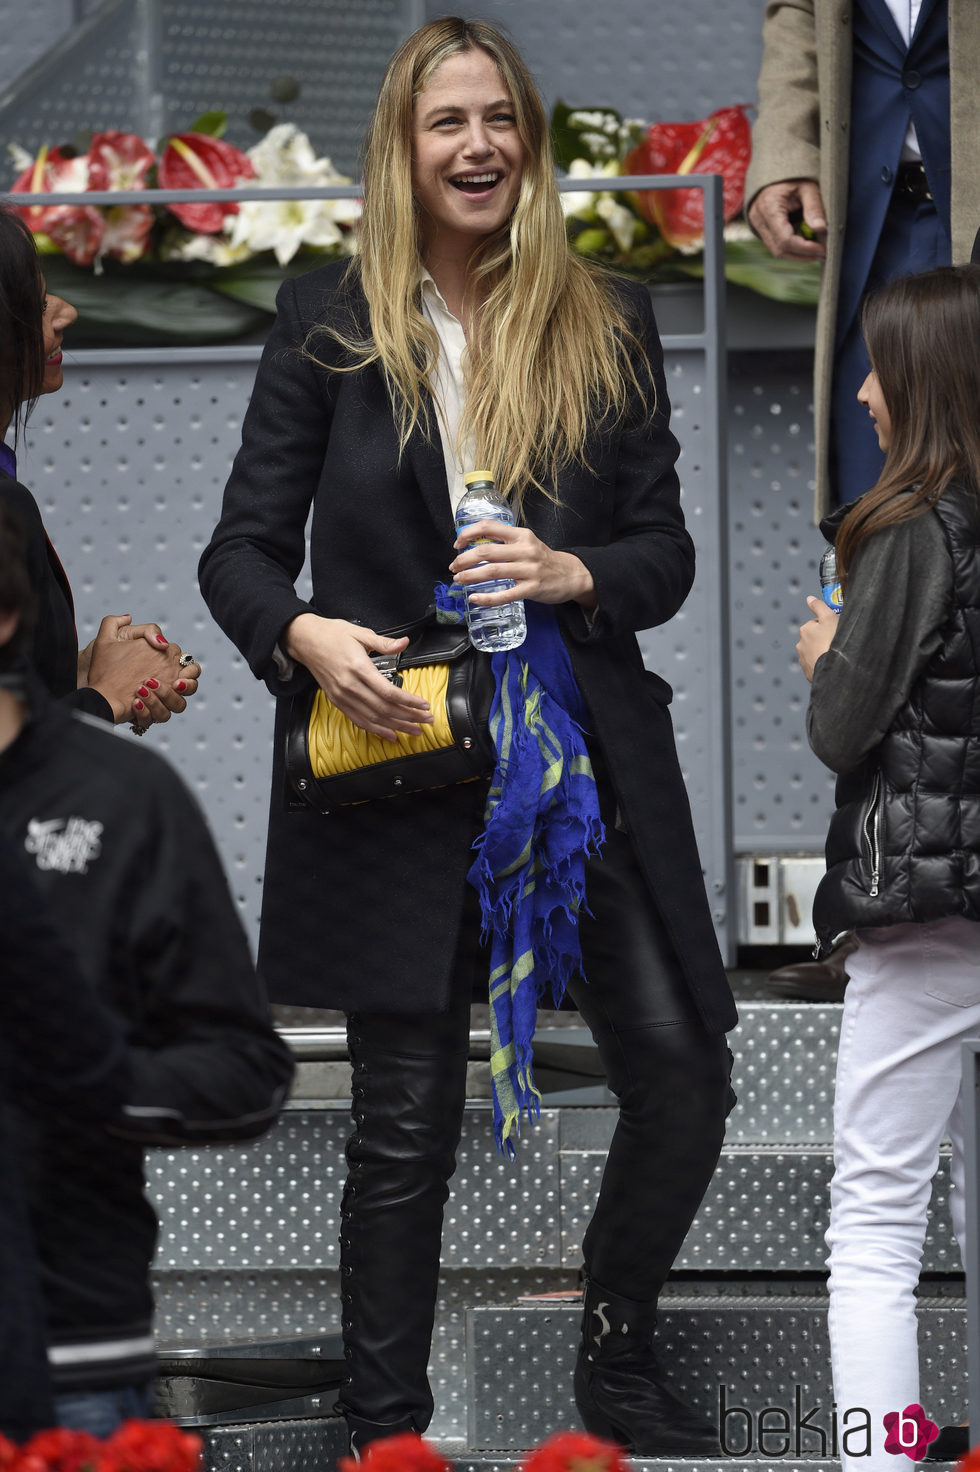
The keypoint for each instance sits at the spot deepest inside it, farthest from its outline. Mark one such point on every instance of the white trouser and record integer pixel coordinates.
(912, 997)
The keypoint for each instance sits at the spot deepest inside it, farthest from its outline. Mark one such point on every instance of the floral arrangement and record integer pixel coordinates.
(658, 234)
(568, 1451)
(185, 273)
(182, 272)
(136, 1446)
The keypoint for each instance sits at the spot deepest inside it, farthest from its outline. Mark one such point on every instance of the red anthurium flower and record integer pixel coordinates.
(127, 232)
(118, 161)
(195, 161)
(719, 144)
(576, 1451)
(406, 1452)
(51, 171)
(76, 229)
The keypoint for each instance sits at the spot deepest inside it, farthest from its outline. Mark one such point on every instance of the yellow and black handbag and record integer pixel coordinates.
(330, 762)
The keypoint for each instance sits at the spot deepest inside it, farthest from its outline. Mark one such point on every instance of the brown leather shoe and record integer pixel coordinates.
(815, 981)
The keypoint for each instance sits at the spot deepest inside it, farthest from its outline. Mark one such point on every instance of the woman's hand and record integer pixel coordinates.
(137, 670)
(817, 635)
(336, 653)
(539, 572)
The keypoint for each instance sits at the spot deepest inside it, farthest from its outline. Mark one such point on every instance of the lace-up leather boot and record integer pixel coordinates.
(620, 1389)
(407, 1112)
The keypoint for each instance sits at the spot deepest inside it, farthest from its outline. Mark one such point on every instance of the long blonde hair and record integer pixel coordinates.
(552, 354)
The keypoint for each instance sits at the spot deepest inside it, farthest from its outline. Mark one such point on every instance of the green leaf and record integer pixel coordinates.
(147, 305)
(212, 123)
(256, 282)
(748, 263)
(566, 137)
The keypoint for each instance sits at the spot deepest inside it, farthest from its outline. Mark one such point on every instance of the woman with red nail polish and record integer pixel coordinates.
(101, 679)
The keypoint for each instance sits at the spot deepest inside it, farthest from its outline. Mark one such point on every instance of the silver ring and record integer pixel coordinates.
(185, 660)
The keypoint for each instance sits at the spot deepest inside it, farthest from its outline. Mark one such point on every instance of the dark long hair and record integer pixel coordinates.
(923, 339)
(21, 314)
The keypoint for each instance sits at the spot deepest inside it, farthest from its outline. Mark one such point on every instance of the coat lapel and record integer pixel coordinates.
(424, 454)
(880, 12)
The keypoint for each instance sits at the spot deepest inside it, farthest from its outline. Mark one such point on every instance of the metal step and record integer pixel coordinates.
(785, 1056)
(734, 1359)
(274, 1206)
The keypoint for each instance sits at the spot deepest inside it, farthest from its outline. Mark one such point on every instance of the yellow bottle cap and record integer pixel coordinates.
(477, 475)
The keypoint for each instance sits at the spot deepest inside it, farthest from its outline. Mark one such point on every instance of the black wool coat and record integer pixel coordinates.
(361, 909)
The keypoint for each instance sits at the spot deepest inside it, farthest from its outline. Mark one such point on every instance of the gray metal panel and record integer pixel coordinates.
(758, 1353)
(783, 796)
(765, 1211)
(153, 66)
(275, 1204)
(650, 62)
(221, 1308)
(302, 1446)
(92, 78)
(225, 53)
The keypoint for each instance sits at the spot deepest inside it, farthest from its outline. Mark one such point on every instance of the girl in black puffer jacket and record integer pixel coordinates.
(894, 710)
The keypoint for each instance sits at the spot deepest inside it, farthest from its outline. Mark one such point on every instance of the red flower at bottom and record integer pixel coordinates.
(59, 1450)
(406, 1452)
(150, 1446)
(8, 1453)
(576, 1451)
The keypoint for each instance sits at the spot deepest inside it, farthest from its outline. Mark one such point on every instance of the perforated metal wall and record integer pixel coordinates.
(649, 61)
(152, 66)
(128, 465)
(783, 796)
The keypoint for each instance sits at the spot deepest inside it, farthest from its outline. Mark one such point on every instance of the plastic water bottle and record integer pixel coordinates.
(491, 629)
(830, 585)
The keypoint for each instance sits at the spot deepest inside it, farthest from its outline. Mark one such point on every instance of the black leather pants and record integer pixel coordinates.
(671, 1078)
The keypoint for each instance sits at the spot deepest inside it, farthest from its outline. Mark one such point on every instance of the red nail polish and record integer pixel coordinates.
(180, 686)
(153, 684)
(161, 639)
(138, 704)
(143, 691)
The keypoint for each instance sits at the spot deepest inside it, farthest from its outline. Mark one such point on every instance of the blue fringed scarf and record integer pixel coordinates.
(541, 824)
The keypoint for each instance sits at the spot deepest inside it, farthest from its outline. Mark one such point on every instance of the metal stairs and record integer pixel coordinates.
(248, 1252)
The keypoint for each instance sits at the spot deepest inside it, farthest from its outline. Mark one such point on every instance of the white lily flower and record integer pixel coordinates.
(211, 248)
(619, 219)
(582, 205)
(285, 157)
(285, 225)
(21, 158)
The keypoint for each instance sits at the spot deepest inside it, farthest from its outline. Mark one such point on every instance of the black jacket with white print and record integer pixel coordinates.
(134, 882)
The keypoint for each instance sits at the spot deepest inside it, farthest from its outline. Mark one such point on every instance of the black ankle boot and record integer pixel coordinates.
(621, 1391)
(362, 1433)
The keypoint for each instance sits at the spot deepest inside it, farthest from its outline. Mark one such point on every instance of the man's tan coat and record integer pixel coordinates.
(803, 132)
